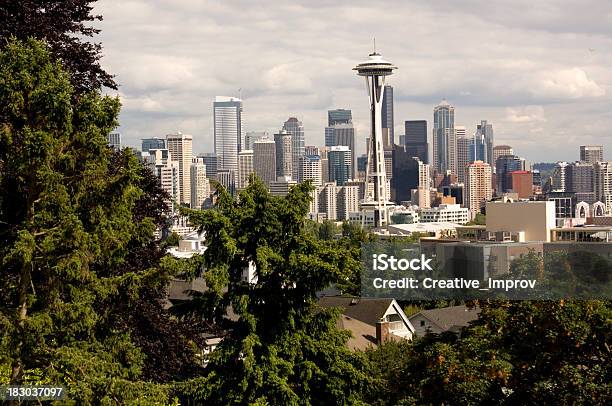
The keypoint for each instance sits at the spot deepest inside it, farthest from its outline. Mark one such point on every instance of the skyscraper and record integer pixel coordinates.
(210, 160)
(342, 134)
(339, 116)
(444, 136)
(484, 133)
(506, 164)
(284, 157)
(228, 136)
(114, 140)
(405, 174)
(464, 156)
(252, 136)
(339, 164)
(245, 168)
(264, 160)
(477, 186)
(152, 143)
(295, 128)
(180, 147)
(311, 170)
(579, 179)
(591, 153)
(415, 139)
(167, 170)
(200, 190)
(387, 118)
(501, 150)
(602, 182)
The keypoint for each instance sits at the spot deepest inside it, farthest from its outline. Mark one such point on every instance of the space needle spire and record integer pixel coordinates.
(375, 70)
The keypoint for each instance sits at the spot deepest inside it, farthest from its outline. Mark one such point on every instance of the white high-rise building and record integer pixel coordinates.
(114, 140)
(200, 188)
(311, 169)
(245, 168)
(284, 157)
(160, 162)
(591, 153)
(478, 190)
(264, 160)
(444, 139)
(228, 131)
(328, 195)
(294, 127)
(602, 182)
(347, 201)
(424, 185)
(180, 147)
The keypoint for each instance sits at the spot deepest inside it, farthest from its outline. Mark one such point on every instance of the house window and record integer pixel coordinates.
(422, 323)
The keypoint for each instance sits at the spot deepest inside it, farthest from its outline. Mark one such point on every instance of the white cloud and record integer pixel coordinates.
(566, 84)
(527, 114)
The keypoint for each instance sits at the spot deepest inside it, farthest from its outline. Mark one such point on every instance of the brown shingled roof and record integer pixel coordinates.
(450, 318)
(369, 311)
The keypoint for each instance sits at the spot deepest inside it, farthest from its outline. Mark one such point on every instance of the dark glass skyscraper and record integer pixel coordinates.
(484, 137)
(405, 174)
(415, 139)
(387, 113)
(153, 143)
(507, 164)
(339, 116)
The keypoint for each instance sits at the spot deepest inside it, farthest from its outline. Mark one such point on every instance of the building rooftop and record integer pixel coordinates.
(450, 318)
(425, 227)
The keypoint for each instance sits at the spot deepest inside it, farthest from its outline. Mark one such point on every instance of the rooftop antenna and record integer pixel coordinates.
(240, 93)
(374, 44)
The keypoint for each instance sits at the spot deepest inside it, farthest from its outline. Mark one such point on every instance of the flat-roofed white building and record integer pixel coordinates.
(534, 219)
(451, 213)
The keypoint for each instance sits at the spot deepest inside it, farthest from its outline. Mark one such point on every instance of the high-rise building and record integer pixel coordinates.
(245, 168)
(200, 190)
(339, 157)
(602, 183)
(281, 186)
(227, 179)
(295, 128)
(521, 183)
(559, 177)
(484, 133)
(339, 116)
(114, 140)
(210, 160)
(342, 134)
(501, 150)
(228, 135)
(264, 160)
(167, 170)
(153, 143)
(444, 137)
(311, 150)
(387, 114)
(463, 156)
(324, 165)
(405, 174)
(284, 156)
(591, 153)
(180, 147)
(579, 179)
(478, 189)
(311, 169)
(347, 201)
(504, 165)
(328, 195)
(252, 136)
(415, 139)
(362, 163)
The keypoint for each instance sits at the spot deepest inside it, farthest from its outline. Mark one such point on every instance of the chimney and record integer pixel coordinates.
(383, 332)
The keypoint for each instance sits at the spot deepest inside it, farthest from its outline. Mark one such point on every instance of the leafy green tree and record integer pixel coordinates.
(282, 349)
(66, 228)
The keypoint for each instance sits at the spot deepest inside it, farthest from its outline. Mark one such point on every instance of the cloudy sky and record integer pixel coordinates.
(540, 71)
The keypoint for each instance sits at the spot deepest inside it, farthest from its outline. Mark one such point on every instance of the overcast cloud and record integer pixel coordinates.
(540, 71)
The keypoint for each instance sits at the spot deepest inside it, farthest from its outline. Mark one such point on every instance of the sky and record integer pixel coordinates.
(539, 71)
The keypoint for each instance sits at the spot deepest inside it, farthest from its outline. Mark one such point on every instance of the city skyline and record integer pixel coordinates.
(550, 91)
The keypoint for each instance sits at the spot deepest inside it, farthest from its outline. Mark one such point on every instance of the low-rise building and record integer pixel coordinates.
(451, 213)
(437, 321)
(535, 218)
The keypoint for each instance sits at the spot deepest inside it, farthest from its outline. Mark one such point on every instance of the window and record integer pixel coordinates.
(422, 323)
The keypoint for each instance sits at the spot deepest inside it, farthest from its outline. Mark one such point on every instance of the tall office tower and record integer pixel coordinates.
(281, 186)
(252, 136)
(484, 135)
(362, 163)
(342, 134)
(227, 179)
(558, 180)
(347, 201)
(463, 156)
(387, 114)
(504, 165)
(579, 179)
(339, 158)
(415, 139)
(284, 156)
(324, 165)
(339, 116)
(521, 183)
(444, 138)
(200, 190)
(210, 160)
(424, 185)
(245, 168)
(152, 143)
(264, 160)
(114, 140)
(311, 169)
(602, 183)
(311, 150)
(180, 147)
(501, 150)
(591, 153)
(478, 189)
(405, 174)
(295, 128)
(328, 195)
(375, 70)
(167, 170)
(229, 131)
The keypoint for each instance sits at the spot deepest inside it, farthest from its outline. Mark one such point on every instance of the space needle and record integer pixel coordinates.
(375, 70)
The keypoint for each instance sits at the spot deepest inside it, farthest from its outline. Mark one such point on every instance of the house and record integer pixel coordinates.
(437, 321)
(371, 321)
